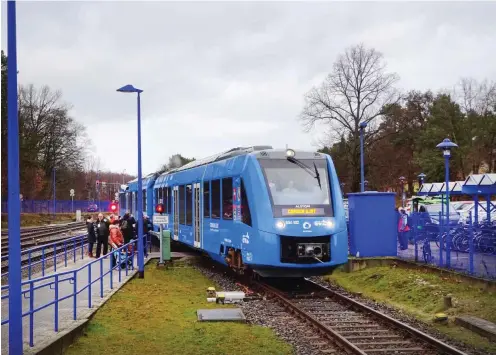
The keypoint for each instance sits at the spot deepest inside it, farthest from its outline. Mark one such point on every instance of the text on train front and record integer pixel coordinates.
(298, 187)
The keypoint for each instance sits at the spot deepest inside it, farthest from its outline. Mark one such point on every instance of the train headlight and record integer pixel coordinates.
(290, 153)
(280, 224)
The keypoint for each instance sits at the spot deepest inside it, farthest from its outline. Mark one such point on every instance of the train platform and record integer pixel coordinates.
(484, 264)
(87, 302)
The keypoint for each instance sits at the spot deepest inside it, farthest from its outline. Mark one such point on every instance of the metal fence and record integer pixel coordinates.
(61, 206)
(66, 287)
(467, 248)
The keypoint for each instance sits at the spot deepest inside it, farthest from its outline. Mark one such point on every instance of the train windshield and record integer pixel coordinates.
(299, 187)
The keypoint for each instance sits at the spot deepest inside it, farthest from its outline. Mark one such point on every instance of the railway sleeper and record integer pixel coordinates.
(395, 350)
(366, 331)
(382, 343)
(372, 336)
(346, 327)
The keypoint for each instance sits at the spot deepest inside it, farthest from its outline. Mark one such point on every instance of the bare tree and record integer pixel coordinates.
(357, 90)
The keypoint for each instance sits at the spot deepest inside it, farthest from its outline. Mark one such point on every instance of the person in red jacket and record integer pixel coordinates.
(115, 240)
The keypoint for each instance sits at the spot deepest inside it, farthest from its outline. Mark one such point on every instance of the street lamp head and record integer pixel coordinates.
(129, 88)
(363, 125)
(446, 145)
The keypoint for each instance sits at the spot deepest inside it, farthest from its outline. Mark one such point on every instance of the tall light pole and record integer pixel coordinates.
(141, 259)
(14, 209)
(402, 182)
(54, 193)
(421, 178)
(123, 172)
(446, 145)
(362, 166)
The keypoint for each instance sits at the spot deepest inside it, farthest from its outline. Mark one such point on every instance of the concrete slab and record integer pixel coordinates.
(221, 315)
(480, 326)
(87, 301)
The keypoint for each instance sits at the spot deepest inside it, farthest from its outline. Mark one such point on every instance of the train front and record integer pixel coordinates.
(303, 231)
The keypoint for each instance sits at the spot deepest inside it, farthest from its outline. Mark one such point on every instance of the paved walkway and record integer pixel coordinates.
(44, 323)
(484, 264)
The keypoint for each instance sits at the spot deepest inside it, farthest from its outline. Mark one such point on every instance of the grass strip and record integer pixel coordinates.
(157, 315)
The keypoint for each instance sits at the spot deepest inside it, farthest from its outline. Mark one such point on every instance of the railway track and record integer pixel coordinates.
(338, 324)
(41, 235)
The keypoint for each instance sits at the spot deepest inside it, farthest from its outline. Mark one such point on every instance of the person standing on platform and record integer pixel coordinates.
(127, 228)
(403, 229)
(90, 225)
(103, 232)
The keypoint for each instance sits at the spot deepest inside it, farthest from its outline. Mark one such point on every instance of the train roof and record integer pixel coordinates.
(261, 151)
(231, 153)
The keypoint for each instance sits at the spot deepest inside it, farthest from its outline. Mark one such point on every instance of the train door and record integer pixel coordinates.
(176, 214)
(197, 213)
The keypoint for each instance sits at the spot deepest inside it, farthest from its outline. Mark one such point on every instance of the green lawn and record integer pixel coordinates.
(157, 315)
(420, 293)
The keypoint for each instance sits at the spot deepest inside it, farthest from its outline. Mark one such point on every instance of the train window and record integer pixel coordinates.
(189, 206)
(227, 201)
(245, 208)
(206, 199)
(169, 200)
(181, 205)
(157, 196)
(144, 200)
(216, 199)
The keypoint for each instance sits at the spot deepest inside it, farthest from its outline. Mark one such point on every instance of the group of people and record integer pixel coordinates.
(114, 231)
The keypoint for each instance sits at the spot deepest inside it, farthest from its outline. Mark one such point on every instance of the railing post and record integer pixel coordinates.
(101, 277)
(119, 267)
(89, 285)
(111, 269)
(55, 258)
(65, 252)
(56, 313)
(440, 238)
(74, 302)
(415, 217)
(43, 261)
(29, 265)
(470, 244)
(31, 315)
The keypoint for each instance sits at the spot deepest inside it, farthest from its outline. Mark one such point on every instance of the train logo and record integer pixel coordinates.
(307, 225)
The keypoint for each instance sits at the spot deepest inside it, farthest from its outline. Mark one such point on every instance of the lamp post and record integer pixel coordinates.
(14, 206)
(421, 178)
(54, 193)
(123, 172)
(141, 268)
(446, 145)
(362, 167)
(402, 182)
(342, 188)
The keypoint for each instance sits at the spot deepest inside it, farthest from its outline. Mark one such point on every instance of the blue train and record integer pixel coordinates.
(276, 212)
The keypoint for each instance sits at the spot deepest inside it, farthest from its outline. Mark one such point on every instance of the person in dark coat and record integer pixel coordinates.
(90, 225)
(102, 234)
(127, 228)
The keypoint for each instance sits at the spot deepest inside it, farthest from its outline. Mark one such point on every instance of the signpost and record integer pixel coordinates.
(161, 220)
(72, 198)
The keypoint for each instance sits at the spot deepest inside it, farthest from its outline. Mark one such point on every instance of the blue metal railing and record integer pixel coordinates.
(116, 258)
(46, 252)
(465, 247)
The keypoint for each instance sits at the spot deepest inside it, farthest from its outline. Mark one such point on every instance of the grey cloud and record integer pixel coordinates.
(231, 68)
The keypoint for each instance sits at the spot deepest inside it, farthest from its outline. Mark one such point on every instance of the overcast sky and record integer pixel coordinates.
(220, 75)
